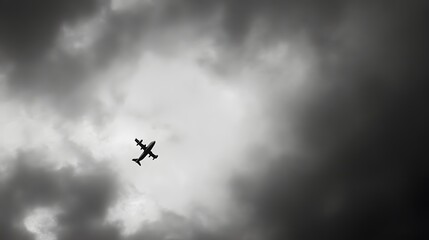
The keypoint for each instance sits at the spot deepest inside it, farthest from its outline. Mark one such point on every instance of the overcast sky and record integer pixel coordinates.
(272, 119)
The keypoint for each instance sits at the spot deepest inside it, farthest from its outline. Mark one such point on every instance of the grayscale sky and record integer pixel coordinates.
(273, 119)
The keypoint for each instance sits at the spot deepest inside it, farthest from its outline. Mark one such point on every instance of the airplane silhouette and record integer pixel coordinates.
(146, 150)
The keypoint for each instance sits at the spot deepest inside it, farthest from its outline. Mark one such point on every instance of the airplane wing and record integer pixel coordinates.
(139, 143)
(152, 155)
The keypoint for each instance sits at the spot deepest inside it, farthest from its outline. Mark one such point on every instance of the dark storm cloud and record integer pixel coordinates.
(35, 68)
(28, 32)
(362, 173)
(168, 26)
(81, 199)
(29, 28)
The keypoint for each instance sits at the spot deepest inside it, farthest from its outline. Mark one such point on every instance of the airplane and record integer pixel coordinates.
(146, 150)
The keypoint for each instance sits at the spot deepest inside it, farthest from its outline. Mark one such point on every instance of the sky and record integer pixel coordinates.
(272, 119)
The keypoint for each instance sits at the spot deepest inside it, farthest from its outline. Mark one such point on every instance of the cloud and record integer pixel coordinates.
(173, 226)
(35, 66)
(29, 29)
(79, 198)
(48, 55)
(28, 38)
(82, 198)
(359, 172)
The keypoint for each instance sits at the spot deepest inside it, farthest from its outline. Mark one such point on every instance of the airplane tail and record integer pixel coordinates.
(137, 161)
(154, 157)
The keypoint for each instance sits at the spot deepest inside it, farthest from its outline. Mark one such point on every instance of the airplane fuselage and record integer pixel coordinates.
(150, 146)
(147, 150)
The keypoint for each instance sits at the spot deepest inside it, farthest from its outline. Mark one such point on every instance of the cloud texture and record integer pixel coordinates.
(80, 200)
(359, 171)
